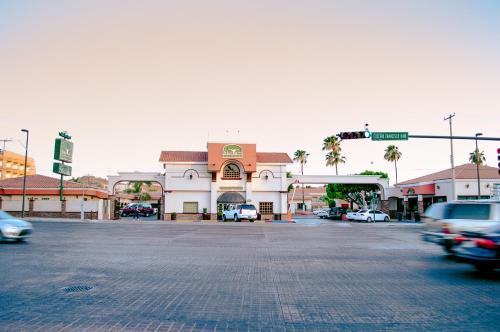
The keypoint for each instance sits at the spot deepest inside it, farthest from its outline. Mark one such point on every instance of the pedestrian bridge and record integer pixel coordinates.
(381, 183)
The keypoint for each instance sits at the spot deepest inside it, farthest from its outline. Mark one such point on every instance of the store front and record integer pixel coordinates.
(203, 183)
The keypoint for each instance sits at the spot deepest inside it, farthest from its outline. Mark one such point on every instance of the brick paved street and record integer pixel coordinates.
(307, 277)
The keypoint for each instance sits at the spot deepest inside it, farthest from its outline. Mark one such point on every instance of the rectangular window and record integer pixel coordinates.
(266, 208)
(190, 207)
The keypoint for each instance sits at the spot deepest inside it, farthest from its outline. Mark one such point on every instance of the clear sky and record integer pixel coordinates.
(130, 78)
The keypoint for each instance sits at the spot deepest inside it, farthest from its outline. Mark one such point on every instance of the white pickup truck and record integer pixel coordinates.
(240, 211)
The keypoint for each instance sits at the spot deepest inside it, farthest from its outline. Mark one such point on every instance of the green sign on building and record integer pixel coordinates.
(389, 136)
(62, 169)
(63, 150)
(232, 151)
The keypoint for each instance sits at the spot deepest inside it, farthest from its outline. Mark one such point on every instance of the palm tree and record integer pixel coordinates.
(333, 159)
(331, 143)
(477, 157)
(300, 156)
(392, 154)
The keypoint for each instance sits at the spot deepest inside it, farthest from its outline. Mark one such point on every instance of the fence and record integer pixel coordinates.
(72, 208)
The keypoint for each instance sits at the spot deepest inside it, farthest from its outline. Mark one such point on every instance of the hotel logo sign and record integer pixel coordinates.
(232, 151)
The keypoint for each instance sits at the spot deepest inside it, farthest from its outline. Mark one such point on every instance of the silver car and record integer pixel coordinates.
(14, 229)
(445, 221)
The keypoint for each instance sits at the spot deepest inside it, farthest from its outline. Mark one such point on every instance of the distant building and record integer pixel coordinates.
(12, 165)
(42, 198)
(312, 199)
(423, 191)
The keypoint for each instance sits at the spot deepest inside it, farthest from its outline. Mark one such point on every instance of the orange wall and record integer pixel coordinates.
(215, 159)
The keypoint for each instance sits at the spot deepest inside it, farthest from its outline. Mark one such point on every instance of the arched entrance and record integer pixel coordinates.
(123, 178)
(228, 198)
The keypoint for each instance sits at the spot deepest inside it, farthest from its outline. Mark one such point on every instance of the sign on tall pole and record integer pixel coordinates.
(63, 151)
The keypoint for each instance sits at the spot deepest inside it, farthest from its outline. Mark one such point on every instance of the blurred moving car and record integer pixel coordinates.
(144, 209)
(371, 216)
(480, 249)
(445, 221)
(240, 211)
(351, 215)
(336, 213)
(14, 229)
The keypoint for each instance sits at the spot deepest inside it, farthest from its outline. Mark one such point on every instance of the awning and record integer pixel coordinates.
(231, 197)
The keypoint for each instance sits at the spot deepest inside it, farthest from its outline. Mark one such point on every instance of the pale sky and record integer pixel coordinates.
(128, 79)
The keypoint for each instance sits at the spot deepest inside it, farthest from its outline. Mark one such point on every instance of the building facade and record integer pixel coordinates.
(12, 165)
(421, 192)
(205, 182)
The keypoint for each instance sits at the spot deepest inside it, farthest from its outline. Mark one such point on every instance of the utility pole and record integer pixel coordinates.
(449, 118)
(477, 168)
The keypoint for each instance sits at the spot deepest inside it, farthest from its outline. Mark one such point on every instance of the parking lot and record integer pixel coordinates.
(239, 276)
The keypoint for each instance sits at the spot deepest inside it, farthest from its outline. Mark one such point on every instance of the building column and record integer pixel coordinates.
(385, 206)
(248, 188)
(213, 200)
(31, 208)
(112, 207)
(420, 204)
(284, 205)
(161, 212)
(405, 206)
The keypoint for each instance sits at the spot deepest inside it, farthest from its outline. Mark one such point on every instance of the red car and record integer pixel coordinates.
(144, 209)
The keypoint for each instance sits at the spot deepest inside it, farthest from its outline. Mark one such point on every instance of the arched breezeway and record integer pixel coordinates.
(124, 177)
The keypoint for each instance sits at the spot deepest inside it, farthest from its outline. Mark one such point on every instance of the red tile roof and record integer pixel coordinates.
(202, 156)
(39, 182)
(466, 171)
(273, 157)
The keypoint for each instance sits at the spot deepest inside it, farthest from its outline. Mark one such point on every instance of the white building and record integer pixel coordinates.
(202, 182)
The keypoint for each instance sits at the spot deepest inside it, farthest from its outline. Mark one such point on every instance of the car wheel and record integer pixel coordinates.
(449, 249)
(124, 214)
(386, 219)
(146, 215)
(236, 217)
(369, 219)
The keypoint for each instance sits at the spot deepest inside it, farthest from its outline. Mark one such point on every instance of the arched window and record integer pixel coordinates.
(231, 171)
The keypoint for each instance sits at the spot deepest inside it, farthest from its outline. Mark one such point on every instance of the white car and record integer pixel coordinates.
(240, 211)
(324, 213)
(352, 215)
(371, 216)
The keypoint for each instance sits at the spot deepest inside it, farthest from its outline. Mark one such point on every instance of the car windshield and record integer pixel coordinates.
(248, 207)
(5, 215)
(468, 211)
(362, 211)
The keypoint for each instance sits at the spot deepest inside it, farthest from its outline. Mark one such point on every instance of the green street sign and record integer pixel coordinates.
(62, 169)
(63, 150)
(389, 136)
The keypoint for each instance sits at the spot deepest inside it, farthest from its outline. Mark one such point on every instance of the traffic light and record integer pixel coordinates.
(354, 134)
(498, 158)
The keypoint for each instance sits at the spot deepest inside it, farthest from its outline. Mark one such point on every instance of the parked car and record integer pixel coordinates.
(240, 211)
(324, 213)
(445, 221)
(371, 216)
(352, 214)
(480, 249)
(14, 229)
(144, 209)
(336, 213)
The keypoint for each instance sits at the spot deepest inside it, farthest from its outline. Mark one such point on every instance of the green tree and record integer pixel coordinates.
(477, 157)
(300, 156)
(392, 154)
(141, 189)
(357, 193)
(333, 159)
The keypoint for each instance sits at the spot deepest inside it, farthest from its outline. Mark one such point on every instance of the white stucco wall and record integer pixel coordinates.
(174, 202)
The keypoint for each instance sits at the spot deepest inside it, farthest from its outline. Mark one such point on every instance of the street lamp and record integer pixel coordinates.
(25, 163)
(477, 168)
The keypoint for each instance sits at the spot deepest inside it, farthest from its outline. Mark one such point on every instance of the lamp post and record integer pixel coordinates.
(25, 163)
(449, 118)
(477, 168)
